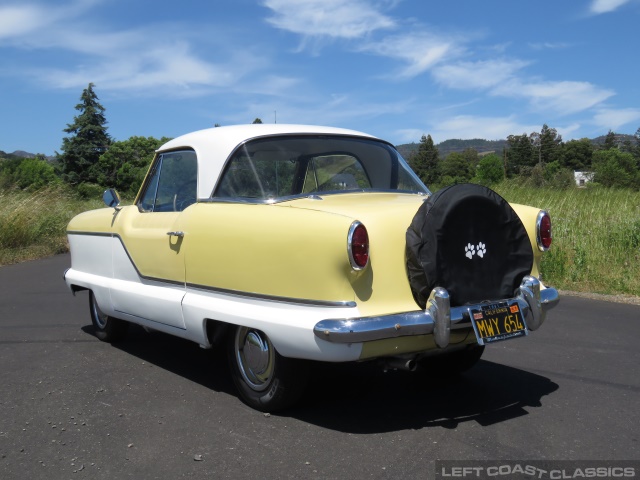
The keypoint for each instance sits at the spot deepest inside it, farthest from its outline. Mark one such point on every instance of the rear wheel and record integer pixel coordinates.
(265, 380)
(107, 328)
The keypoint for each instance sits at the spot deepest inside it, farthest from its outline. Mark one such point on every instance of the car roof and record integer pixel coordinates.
(213, 146)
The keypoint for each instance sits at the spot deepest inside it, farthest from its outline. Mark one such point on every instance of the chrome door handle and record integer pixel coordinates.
(176, 234)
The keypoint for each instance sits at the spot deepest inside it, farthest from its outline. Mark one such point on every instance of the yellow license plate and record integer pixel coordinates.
(498, 321)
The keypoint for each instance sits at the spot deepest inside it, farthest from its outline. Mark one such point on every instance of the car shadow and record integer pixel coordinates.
(364, 399)
(361, 397)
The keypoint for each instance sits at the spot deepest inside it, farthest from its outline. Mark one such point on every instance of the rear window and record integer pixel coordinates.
(277, 168)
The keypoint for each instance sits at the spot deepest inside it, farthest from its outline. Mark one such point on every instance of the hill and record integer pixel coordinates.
(457, 145)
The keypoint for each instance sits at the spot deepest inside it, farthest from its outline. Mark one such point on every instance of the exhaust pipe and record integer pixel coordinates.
(399, 363)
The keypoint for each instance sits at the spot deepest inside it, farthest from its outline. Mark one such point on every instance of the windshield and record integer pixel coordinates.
(277, 168)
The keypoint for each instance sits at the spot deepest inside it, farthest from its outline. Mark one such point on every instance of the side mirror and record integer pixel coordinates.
(111, 198)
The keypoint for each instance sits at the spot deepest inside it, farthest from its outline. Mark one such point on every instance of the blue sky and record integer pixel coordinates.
(397, 69)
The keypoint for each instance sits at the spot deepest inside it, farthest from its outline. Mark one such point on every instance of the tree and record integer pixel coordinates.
(35, 173)
(88, 140)
(609, 141)
(576, 154)
(257, 120)
(425, 161)
(550, 145)
(490, 170)
(520, 153)
(124, 165)
(456, 169)
(614, 168)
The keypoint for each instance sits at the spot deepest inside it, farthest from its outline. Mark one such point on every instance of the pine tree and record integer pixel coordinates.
(609, 141)
(88, 140)
(425, 161)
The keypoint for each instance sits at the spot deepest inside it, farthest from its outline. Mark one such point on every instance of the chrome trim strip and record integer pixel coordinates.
(94, 234)
(437, 319)
(275, 298)
(288, 198)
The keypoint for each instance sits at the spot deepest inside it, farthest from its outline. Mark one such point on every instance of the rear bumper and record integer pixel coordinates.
(437, 319)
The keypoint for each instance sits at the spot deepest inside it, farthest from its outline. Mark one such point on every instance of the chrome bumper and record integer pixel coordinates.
(437, 319)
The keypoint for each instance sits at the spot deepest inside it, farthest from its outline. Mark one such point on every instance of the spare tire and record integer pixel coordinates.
(467, 239)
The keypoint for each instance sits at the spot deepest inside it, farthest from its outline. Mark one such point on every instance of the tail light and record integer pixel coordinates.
(358, 246)
(543, 231)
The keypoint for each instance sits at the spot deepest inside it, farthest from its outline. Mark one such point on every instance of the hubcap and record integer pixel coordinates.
(101, 318)
(255, 358)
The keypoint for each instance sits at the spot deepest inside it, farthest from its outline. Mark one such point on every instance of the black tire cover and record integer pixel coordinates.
(467, 239)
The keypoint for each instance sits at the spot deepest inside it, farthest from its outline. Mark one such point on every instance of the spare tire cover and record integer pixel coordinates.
(467, 239)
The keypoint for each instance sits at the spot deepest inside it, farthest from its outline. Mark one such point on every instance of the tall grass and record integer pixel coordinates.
(33, 223)
(596, 231)
(596, 236)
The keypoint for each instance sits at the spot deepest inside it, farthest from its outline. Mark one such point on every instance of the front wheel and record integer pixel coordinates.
(265, 380)
(107, 329)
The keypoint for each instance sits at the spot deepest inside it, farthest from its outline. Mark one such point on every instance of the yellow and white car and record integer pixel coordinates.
(286, 243)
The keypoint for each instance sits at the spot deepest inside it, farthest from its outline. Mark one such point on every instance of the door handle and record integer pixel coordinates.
(176, 234)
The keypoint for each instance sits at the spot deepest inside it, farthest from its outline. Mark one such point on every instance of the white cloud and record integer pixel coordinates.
(481, 74)
(18, 21)
(421, 51)
(327, 18)
(563, 97)
(605, 6)
(549, 46)
(612, 119)
(135, 60)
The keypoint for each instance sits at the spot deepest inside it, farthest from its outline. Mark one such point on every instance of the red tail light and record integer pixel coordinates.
(543, 231)
(358, 246)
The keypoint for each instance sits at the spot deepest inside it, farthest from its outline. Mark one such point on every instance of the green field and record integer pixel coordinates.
(596, 237)
(596, 245)
(33, 224)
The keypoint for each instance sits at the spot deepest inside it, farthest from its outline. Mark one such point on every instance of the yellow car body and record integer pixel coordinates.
(278, 270)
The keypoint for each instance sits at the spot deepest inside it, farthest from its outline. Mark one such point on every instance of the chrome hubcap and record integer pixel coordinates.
(255, 357)
(101, 318)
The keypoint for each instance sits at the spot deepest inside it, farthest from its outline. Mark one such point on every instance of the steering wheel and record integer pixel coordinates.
(185, 195)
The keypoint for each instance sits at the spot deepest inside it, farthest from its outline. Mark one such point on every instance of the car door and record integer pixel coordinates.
(149, 272)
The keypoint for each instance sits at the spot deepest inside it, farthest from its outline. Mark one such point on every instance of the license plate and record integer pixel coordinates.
(498, 321)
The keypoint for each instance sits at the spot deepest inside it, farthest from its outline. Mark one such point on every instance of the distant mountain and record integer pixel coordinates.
(620, 139)
(22, 154)
(449, 146)
(490, 146)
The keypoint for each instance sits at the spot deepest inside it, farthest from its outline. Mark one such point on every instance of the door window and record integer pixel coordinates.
(171, 183)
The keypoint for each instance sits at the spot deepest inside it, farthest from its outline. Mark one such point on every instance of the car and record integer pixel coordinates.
(289, 244)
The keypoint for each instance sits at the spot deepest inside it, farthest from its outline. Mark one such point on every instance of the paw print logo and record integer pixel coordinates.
(482, 249)
(470, 251)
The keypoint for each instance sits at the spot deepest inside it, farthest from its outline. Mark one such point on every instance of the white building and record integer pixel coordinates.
(582, 178)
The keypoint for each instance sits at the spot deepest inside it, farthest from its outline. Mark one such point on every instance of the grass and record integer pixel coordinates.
(596, 244)
(596, 237)
(33, 223)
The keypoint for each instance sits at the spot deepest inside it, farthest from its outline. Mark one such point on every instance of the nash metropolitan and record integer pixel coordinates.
(289, 243)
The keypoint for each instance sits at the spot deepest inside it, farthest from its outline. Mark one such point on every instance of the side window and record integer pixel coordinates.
(172, 183)
(260, 175)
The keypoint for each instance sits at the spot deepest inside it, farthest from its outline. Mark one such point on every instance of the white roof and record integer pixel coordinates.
(214, 145)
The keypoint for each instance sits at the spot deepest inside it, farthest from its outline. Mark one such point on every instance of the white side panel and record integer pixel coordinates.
(290, 327)
(91, 254)
(147, 299)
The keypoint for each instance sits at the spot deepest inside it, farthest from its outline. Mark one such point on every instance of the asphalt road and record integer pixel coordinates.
(159, 407)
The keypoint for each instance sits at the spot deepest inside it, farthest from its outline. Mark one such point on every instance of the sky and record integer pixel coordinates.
(397, 69)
